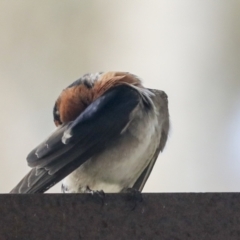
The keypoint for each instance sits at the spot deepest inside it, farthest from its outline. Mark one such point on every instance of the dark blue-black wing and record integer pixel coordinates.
(141, 181)
(161, 103)
(74, 143)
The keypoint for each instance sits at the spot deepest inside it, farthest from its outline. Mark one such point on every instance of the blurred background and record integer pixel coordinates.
(188, 48)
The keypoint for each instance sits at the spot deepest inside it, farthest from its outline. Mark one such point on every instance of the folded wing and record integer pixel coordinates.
(75, 142)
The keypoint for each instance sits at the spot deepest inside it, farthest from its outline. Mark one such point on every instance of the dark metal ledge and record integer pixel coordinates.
(170, 216)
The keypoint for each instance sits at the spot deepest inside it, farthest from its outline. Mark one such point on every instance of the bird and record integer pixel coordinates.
(109, 132)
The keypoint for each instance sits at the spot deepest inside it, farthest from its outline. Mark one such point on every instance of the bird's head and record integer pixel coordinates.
(80, 94)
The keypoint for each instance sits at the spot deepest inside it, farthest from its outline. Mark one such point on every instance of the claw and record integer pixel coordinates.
(100, 195)
(134, 195)
(64, 188)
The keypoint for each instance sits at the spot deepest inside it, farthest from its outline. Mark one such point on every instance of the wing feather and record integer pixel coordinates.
(163, 119)
(74, 143)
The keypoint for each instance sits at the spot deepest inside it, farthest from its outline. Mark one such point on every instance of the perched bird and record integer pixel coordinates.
(110, 131)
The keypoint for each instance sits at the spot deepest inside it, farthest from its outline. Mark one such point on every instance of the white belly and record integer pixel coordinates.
(120, 165)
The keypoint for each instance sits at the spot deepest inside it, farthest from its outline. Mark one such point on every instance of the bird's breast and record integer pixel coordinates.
(122, 162)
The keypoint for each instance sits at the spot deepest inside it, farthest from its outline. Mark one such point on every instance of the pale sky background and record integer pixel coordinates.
(188, 48)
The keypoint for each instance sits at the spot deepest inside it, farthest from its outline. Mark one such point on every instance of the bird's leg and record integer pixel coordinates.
(64, 188)
(133, 195)
(98, 194)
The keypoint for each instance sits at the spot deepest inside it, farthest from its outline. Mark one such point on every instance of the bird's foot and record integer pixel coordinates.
(133, 195)
(64, 188)
(100, 195)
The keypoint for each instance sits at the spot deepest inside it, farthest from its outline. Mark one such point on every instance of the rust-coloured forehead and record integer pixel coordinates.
(112, 79)
(79, 95)
(73, 101)
(116, 78)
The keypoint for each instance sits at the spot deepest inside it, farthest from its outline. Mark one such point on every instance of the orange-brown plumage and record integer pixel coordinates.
(76, 99)
(73, 101)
